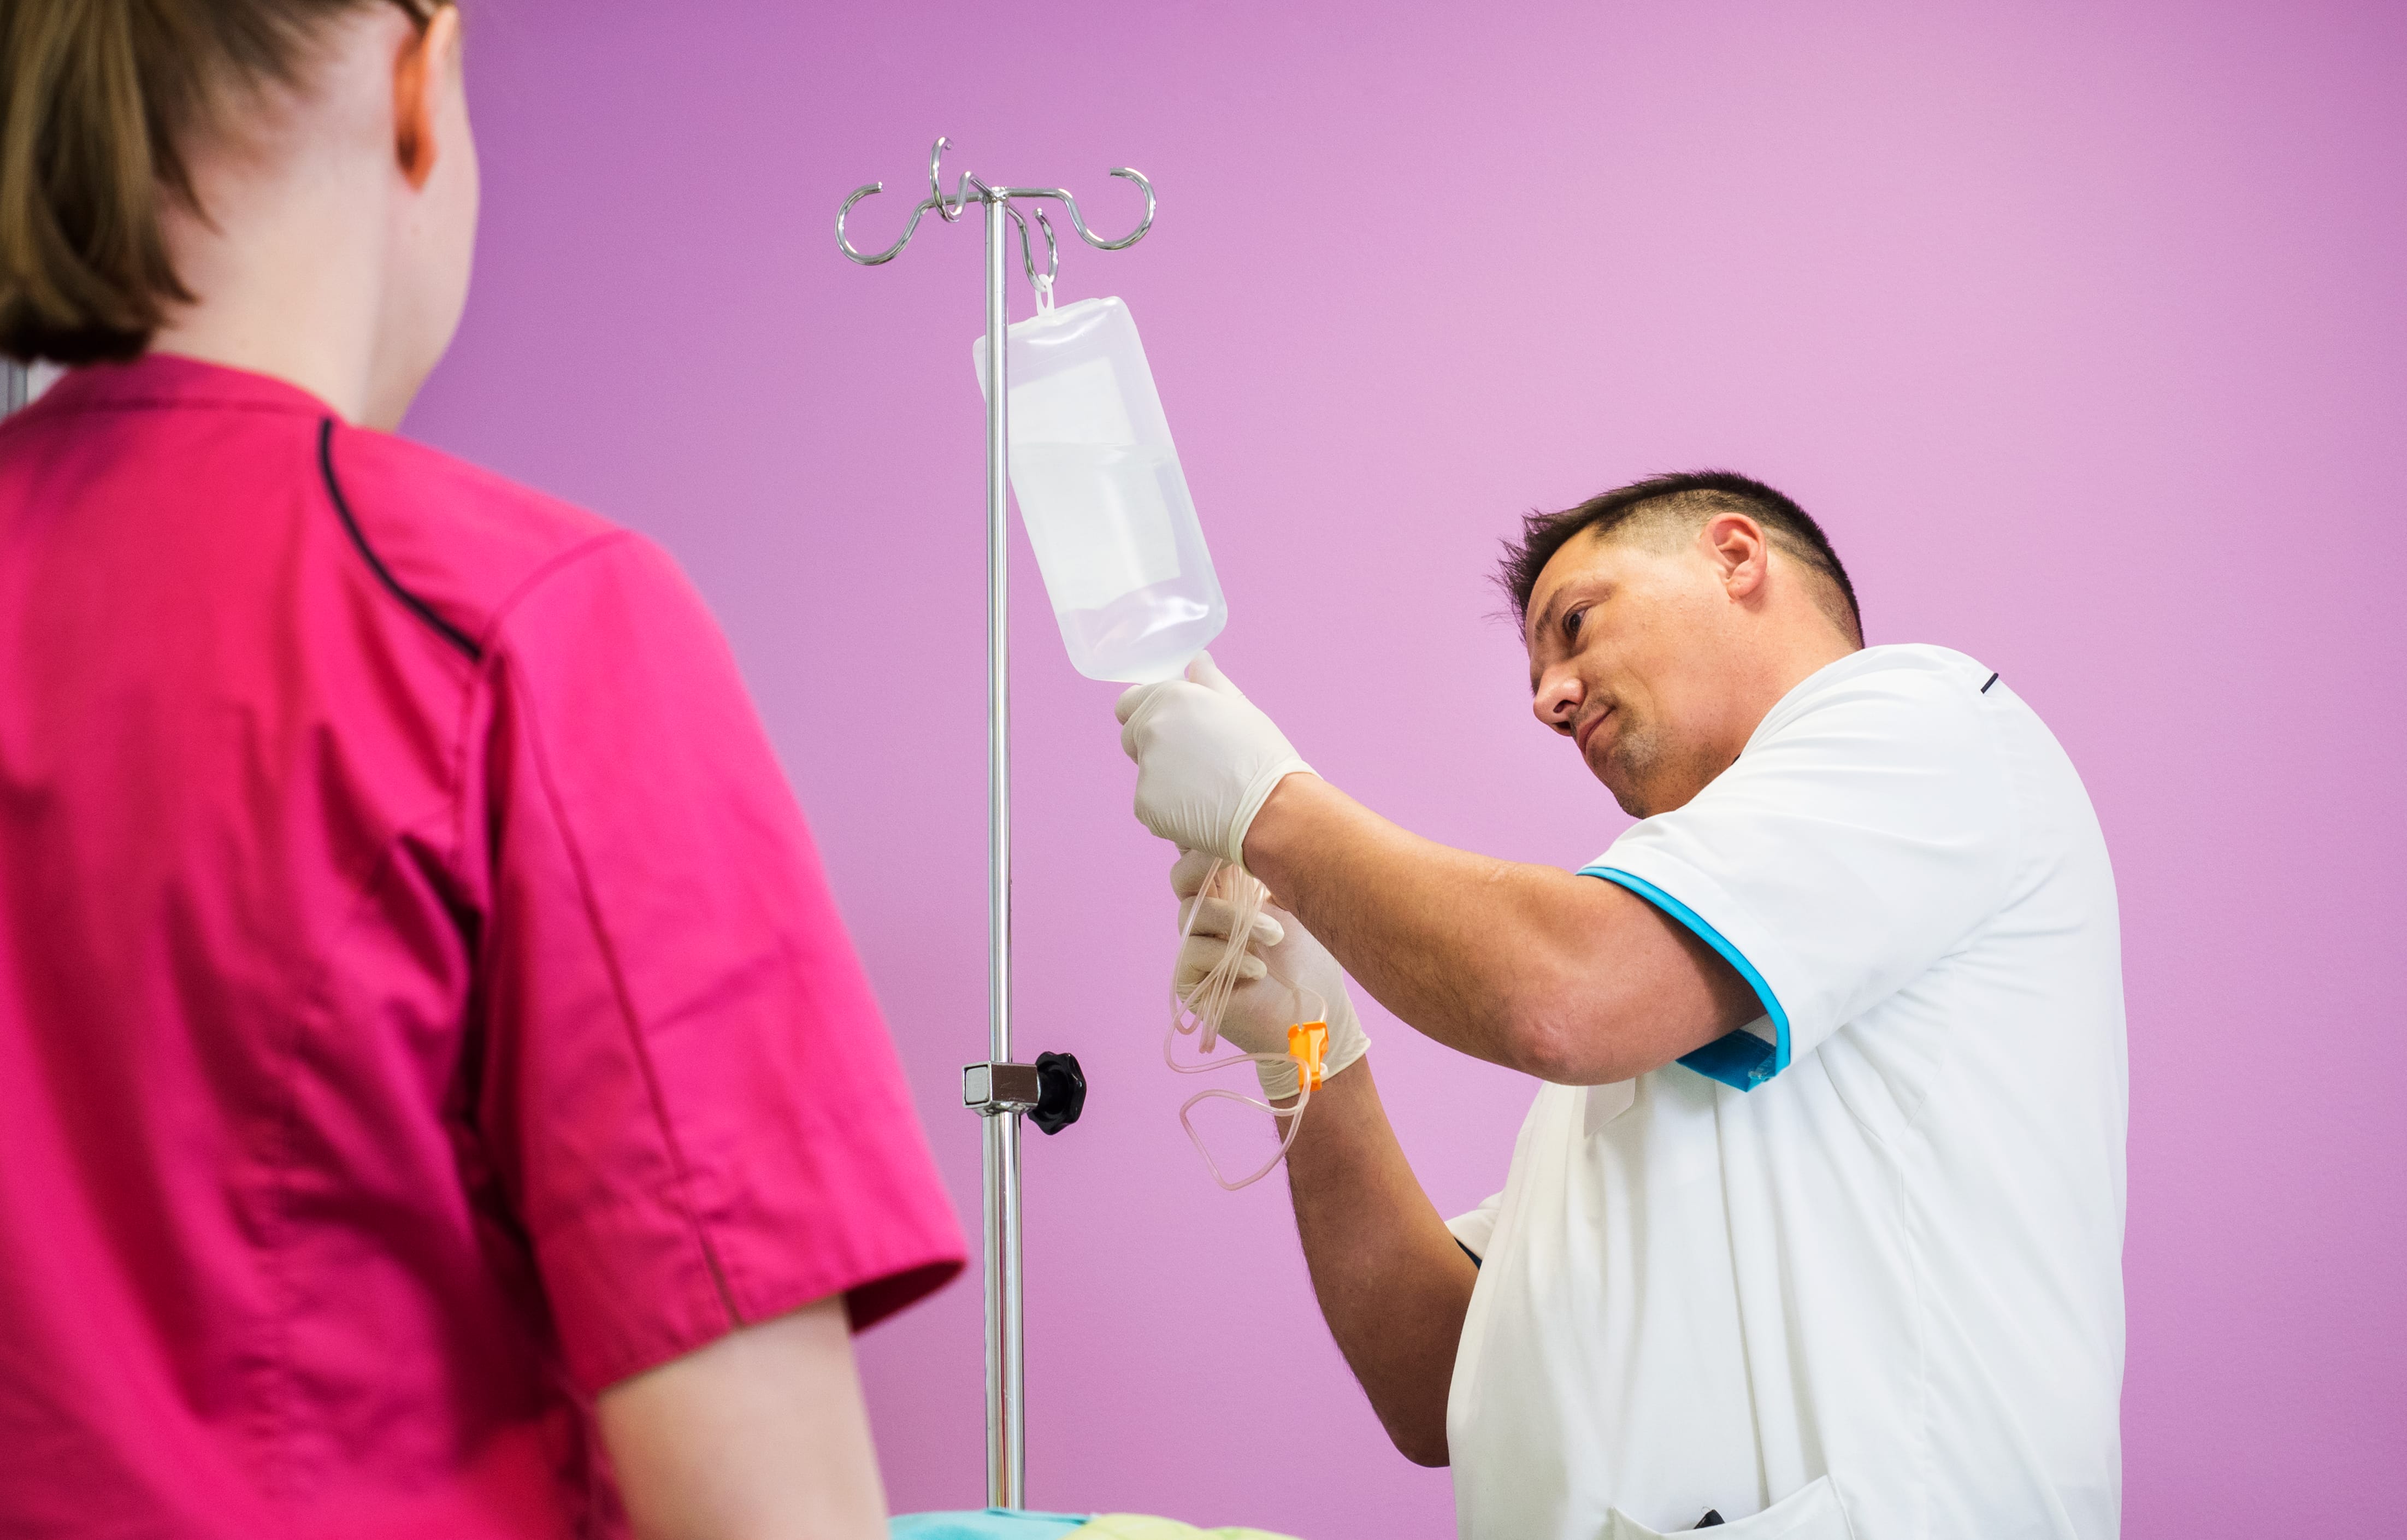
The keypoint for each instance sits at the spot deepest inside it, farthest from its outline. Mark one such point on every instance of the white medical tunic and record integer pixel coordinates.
(1856, 1269)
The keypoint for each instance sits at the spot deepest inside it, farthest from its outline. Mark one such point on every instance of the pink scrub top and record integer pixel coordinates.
(420, 1004)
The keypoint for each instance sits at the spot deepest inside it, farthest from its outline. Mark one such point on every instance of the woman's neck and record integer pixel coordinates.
(285, 276)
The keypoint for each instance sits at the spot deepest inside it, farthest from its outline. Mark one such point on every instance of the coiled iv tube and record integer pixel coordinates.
(1199, 1014)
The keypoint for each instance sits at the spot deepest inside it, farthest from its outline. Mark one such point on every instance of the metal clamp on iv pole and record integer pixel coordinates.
(1001, 1092)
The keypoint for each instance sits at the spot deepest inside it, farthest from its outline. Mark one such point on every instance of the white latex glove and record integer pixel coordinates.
(1289, 976)
(1206, 759)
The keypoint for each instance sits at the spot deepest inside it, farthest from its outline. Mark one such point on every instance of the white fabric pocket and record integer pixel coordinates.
(1604, 1104)
(1813, 1512)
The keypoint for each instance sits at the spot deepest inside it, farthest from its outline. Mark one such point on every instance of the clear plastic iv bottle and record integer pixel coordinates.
(1100, 489)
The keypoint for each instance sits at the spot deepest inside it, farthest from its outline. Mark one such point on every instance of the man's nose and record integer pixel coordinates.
(1557, 700)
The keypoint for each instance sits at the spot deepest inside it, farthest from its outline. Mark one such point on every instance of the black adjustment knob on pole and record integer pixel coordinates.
(1062, 1091)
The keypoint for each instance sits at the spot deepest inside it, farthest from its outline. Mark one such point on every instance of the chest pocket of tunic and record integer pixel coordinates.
(1813, 1512)
(1603, 1104)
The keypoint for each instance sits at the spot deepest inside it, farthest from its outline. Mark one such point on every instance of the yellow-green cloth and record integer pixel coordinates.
(1008, 1524)
(1136, 1526)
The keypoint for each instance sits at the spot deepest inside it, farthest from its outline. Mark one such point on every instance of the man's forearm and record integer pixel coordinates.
(1444, 938)
(1392, 1284)
(1560, 976)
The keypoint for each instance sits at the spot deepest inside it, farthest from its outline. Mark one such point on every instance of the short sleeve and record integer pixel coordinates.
(1476, 1230)
(1864, 834)
(694, 1108)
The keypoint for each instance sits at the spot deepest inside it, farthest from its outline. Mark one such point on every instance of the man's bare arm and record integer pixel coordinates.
(1565, 978)
(1392, 1284)
(760, 1436)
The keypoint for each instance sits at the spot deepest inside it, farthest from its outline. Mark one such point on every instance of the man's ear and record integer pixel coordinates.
(424, 74)
(1740, 552)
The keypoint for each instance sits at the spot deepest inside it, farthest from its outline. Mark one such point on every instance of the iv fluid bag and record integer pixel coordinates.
(1100, 489)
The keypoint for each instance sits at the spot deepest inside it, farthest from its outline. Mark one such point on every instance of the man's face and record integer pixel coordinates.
(1627, 636)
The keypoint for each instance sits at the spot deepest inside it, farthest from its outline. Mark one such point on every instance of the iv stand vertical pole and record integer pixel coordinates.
(1006, 1413)
(999, 1090)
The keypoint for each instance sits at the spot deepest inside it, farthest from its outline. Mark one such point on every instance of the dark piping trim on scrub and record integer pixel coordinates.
(417, 605)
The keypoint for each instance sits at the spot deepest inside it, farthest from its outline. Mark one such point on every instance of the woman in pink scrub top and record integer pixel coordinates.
(438, 1097)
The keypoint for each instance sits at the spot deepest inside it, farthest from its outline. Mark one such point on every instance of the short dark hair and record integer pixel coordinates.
(1701, 494)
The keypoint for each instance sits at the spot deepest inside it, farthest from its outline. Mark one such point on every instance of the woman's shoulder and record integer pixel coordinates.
(491, 516)
(466, 540)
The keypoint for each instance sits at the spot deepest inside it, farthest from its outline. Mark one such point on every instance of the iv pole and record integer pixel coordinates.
(998, 1089)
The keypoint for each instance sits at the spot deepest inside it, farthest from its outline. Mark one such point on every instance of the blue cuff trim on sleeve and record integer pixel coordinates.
(1739, 1058)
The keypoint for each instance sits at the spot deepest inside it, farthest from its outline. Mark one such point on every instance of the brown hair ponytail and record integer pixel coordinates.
(94, 96)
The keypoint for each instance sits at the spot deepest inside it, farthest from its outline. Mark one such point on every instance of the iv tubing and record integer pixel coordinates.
(1199, 1013)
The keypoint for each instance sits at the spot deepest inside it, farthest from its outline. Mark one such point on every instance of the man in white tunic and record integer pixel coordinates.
(1815, 1229)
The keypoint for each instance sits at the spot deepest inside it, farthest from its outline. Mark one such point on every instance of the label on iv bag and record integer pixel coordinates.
(1101, 522)
(1107, 531)
(1079, 404)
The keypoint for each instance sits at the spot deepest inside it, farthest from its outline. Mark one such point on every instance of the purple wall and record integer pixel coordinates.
(2082, 333)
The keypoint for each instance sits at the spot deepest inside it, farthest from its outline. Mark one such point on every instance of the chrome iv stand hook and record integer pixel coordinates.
(1078, 221)
(970, 188)
(1042, 283)
(946, 210)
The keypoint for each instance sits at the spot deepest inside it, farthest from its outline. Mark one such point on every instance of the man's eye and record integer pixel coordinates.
(1572, 624)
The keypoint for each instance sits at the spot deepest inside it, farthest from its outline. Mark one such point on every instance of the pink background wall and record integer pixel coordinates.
(2082, 333)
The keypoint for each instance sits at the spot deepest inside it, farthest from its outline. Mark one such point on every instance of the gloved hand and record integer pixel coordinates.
(1289, 978)
(1206, 759)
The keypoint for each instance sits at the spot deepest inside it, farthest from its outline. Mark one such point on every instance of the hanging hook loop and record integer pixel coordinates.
(946, 210)
(1041, 282)
(1126, 172)
(872, 259)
